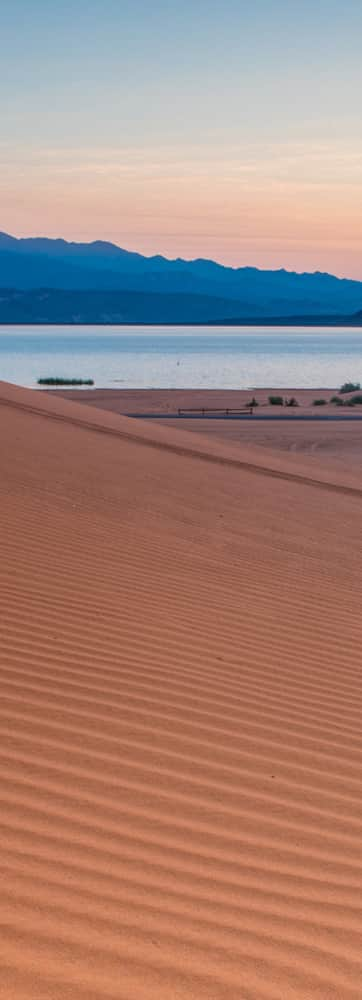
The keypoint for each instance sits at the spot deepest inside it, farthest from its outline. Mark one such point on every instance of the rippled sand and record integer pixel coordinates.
(180, 712)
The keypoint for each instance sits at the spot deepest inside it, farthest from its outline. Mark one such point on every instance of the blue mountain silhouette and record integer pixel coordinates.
(161, 289)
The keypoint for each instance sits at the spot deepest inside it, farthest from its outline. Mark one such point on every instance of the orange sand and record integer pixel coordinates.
(180, 711)
(336, 443)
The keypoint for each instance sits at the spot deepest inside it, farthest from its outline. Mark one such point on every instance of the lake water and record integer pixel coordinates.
(183, 357)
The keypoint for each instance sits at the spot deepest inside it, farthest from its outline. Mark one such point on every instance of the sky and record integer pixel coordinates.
(204, 128)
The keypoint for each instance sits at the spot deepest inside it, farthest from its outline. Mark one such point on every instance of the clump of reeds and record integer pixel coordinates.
(55, 380)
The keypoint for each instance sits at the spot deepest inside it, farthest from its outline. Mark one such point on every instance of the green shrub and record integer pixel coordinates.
(65, 381)
(350, 387)
(356, 400)
(337, 400)
(275, 400)
(319, 402)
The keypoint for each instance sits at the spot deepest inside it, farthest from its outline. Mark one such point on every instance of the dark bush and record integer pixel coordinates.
(356, 400)
(319, 402)
(350, 387)
(291, 402)
(275, 400)
(337, 400)
(65, 381)
(253, 402)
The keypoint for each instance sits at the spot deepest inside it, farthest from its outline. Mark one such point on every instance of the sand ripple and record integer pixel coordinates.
(180, 713)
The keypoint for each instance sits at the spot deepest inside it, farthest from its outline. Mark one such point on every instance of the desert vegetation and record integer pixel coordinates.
(355, 400)
(349, 387)
(276, 400)
(55, 380)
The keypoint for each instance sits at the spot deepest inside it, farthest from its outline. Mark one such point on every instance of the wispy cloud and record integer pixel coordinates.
(302, 164)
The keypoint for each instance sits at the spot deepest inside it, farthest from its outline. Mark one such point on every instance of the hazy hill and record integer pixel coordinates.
(103, 267)
(57, 305)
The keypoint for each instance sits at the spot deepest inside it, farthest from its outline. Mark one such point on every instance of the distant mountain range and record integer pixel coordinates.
(52, 281)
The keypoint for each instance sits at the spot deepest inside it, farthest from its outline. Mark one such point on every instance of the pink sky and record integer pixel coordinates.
(268, 213)
(282, 207)
(197, 129)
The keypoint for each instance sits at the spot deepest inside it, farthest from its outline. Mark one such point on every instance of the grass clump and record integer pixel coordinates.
(320, 402)
(355, 400)
(276, 400)
(253, 402)
(350, 387)
(54, 380)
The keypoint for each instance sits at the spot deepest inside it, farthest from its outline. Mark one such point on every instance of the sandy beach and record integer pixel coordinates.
(337, 443)
(169, 400)
(180, 709)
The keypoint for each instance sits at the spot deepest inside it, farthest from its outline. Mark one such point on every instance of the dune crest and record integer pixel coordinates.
(180, 714)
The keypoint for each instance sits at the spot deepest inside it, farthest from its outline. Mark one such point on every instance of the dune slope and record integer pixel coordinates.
(180, 715)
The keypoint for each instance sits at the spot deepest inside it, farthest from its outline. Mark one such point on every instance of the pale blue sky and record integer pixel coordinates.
(172, 126)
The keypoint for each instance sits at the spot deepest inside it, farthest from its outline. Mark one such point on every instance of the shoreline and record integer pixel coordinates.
(169, 401)
(326, 435)
(342, 322)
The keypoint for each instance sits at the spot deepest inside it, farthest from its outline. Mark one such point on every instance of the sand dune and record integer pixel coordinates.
(180, 713)
(337, 443)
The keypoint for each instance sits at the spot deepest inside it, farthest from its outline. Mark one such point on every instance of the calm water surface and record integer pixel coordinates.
(183, 357)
